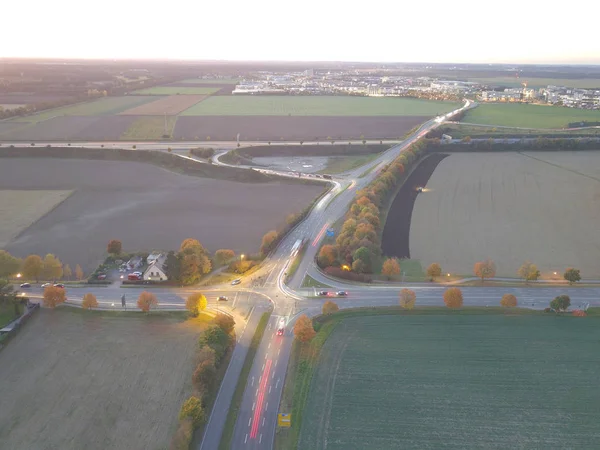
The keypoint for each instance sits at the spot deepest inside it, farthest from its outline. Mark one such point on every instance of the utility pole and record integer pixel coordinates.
(165, 133)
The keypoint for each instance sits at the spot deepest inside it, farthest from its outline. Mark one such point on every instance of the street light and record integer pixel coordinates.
(18, 275)
(242, 257)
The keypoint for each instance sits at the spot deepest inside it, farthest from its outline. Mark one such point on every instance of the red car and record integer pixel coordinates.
(133, 277)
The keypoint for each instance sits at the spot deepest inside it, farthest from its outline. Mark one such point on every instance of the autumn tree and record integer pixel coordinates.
(223, 256)
(366, 256)
(146, 301)
(67, 272)
(408, 298)
(193, 261)
(572, 275)
(89, 301)
(327, 256)
(434, 270)
(268, 242)
(114, 247)
(217, 339)
(192, 408)
(508, 301)
(330, 307)
(485, 269)
(195, 303)
(359, 266)
(205, 374)
(9, 265)
(78, 273)
(560, 303)
(52, 267)
(528, 271)
(32, 268)
(303, 329)
(224, 322)
(191, 245)
(53, 296)
(391, 268)
(453, 297)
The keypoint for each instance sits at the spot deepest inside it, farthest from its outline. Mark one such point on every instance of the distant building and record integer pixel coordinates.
(156, 271)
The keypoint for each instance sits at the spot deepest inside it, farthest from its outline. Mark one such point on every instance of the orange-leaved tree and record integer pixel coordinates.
(303, 329)
(391, 268)
(195, 303)
(224, 322)
(434, 270)
(67, 272)
(78, 272)
(268, 242)
(453, 297)
(114, 247)
(508, 301)
(528, 271)
(224, 255)
(408, 298)
(53, 296)
(147, 300)
(327, 256)
(485, 269)
(89, 301)
(330, 307)
(32, 268)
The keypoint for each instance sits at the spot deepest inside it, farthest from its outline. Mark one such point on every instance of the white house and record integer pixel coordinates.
(156, 271)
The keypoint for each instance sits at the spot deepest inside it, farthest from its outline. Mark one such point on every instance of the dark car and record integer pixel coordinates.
(59, 285)
(222, 299)
(323, 293)
(25, 285)
(341, 293)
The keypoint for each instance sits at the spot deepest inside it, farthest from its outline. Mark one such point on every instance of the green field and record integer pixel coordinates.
(461, 130)
(340, 164)
(528, 116)
(317, 106)
(211, 81)
(149, 127)
(456, 381)
(174, 90)
(101, 107)
(539, 82)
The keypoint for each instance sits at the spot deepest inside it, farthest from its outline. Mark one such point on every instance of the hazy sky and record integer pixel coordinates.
(376, 30)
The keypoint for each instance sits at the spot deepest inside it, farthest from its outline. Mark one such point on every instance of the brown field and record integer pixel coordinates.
(277, 128)
(149, 127)
(85, 380)
(542, 206)
(19, 209)
(146, 207)
(170, 105)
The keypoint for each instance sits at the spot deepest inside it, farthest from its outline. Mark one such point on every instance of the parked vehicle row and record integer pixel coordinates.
(332, 294)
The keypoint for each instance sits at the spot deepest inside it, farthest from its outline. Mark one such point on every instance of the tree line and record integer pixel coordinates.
(34, 267)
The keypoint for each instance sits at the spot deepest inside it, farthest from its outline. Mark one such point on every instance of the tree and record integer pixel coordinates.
(192, 408)
(485, 269)
(528, 271)
(195, 303)
(268, 241)
(330, 307)
(217, 339)
(365, 255)
(32, 267)
(223, 256)
(146, 301)
(173, 266)
(327, 256)
(53, 296)
(453, 297)
(205, 374)
(8, 295)
(408, 298)
(303, 329)
(78, 273)
(52, 267)
(560, 303)
(359, 266)
(572, 275)
(191, 245)
(466, 139)
(391, 268)
(224, 322)
(89, 301)
(434, 270)
(67, 272)
(114, 247)
(9, 265)
(508, 301)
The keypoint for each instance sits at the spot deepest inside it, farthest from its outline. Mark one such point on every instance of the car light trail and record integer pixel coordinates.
(259, 400)
(320, 235)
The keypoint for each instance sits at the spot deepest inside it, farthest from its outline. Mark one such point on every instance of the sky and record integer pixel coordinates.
(461, 31)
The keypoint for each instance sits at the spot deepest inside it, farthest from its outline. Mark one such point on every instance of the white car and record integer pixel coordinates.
(237, 281)
(46, 285)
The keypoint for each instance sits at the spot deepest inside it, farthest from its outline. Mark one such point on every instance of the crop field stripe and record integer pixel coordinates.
(170, 105)
(175, 90)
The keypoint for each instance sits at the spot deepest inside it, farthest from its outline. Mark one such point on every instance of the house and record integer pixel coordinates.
(156, 271)
(134, 263)
(153, 257)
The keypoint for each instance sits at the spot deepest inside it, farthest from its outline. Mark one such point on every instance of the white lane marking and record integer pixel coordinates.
(252, 384)
(277, 384)
(260, 439)
(263, 422)
(266, 406)
(246, 438)
(253, 406)
(264, 364)
(273, 376)
(249, 421)
(278, 352)
(269, 345)
(270, 389)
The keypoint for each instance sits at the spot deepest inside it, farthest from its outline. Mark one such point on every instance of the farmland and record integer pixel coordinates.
(455, 381)
(81, 394)
(316, 106)
(542, 207)
(145, 207)
(149, 127)
(208, 81)
(175, 90)
(170, 105)
(19, 209)
(529, 116)
(586, 83)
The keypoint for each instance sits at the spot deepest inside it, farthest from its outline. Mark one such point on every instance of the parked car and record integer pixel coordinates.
(46, 285)
(134, 277)
(59, 285)
(341, 293)
(323, 293)
(222, 299)
(101, 276)
(139, 274)
(25, 285)
(237, 281)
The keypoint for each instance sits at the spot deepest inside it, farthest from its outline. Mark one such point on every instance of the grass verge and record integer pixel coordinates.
(340, 164)
(238, 394)
(297, 260)
(311, 282)
(7, 314)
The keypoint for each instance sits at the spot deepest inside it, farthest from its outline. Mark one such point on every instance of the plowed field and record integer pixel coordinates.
(171, 105)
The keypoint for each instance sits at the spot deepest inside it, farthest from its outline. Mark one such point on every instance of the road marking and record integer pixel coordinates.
(273, 376)
(253, 406)
(277, 384)
(320, 235)
(246, 438)
(263, 422)
(260, 438)
(263, 367)
(252, 384)
(267, 407)
(249, 420)
(269, 345)
(261, 397)
(270, 389)
(278, 352)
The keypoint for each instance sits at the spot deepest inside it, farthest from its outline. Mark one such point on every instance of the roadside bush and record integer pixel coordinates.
(183, 436)
(453, 297)
(216, 339)
(241, 267)
(205, 374)
(338, 272)
(192, 408)
(579, 313)
(508, 301)
(225, 322)
(201, 152)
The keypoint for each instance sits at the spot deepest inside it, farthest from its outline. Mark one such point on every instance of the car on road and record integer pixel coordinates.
(59, 285)
(323, 293)
(281, 327)
(101, 276)
(25, 285)
(236, 281)
(341, 293)
(46, 285)
(222, 298)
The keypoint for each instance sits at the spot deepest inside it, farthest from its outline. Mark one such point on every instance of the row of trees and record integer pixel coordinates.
(528, 271)
(34, 267)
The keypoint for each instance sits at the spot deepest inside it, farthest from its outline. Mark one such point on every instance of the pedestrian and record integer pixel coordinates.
(123, 304)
